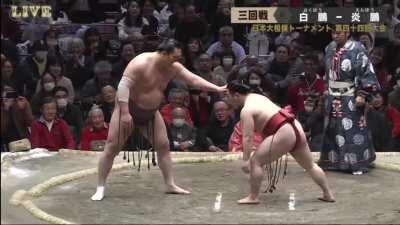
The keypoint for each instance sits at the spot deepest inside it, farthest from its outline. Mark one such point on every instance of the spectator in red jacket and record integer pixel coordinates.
(49, 131)
(176, 98)
(94, 136)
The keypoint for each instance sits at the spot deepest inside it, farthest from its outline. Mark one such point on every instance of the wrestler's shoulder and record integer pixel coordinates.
(140, 60)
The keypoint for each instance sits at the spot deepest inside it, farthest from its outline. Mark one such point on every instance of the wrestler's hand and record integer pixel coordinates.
(246, 166)
(126, 120)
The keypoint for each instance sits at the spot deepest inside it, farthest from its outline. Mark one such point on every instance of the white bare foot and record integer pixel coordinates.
(174, 189)
(248, 200)
(99, 195)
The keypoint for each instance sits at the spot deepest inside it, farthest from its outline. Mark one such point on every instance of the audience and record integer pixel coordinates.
(48, 131)
(47, 84)
(127, 54)
(108, 93)
(182, 135)
(94, 135)
(176, 98)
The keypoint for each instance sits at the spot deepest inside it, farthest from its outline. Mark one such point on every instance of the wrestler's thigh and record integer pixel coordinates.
(276, 145)
(117, 132)
(302, 153)
(159, 132)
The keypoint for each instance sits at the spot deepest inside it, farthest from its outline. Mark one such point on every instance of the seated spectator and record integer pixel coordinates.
(32, 69)
(107, 101)
(8, 75)
(91, 91)
(95, 47)
(78, 67)
(132, 22)
(227, 62)
(181, 135)
(48, 131)
(309, 86)
(82, 11)
(393, 58)
(215, 137)
(377, 57)
(256, 81)
(393, 115)
(69, 112)
(55, 67)
(138, 42)
(16, 116)
(192, 51)
(47, 84)
(192, 26)
(203, 66)
(236, 139)
(127, 54)
(94, 135)
(226, 43)
(51, 40)
(148, 9)
(176, 98)
(200, 107)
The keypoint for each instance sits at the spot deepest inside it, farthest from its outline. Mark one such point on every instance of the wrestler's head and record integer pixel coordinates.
(171, 50)
(237, 93)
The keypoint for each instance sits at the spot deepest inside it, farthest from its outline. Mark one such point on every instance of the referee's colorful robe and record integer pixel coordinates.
(347, 144)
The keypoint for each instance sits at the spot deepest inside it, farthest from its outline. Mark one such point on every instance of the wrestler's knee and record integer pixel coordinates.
(162, 144)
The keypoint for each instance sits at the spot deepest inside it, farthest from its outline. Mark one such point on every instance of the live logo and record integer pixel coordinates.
(25, 11)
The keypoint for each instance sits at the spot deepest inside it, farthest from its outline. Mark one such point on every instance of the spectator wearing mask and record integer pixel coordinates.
(95, 47)
(181, 134)
(192, 26)
(108, 93)
(227, 62)
(215, 137)
(16, 116)
(94, 135)
(69, 112)
(78, 67)
(132, 22)
(32, 68)
(91, 91)
(176, 98)
(55, 68)
(47, 84)
(127, 54)
(226, 43)
(310, 86)
(48, 131)
(256, 81)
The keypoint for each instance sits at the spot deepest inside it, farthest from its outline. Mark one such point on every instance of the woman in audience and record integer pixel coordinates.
(94, 135)
(378, 61)
(192, 51)
(133, 22)
(95, 47)
(256, 81)
(7, 73)
(48, 131)
(51, 40)
(47, 84)
(55, 68)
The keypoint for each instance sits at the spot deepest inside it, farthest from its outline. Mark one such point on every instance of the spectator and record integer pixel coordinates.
(256, 81)
(56, 69)
(107, 101)
(147, 8)
(377, 57)
(47, 84)
(203, 67)
(393, 115)
(78, 67)
(296, 62)
(177, 16)
(51, 40)
(8, 73)
(94, 135)
(226, 43)
(315, 123)
(192, 26)
(132, 22)
(95, 47)
(215, 137)
(49, 131)
(127, 54)
(310, 86)
(79, 11)
(227, 61)
(16, 117)
(181, 135)
(32, 69)
(192, 51)
(176, 99)
(367, 40)
(69, 112)
(138, 43)
(236, 139)
(379, 123)
(91, 91)
(200, 108)
(393, 58)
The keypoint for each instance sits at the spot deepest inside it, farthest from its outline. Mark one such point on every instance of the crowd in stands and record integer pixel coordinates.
(59, 75)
